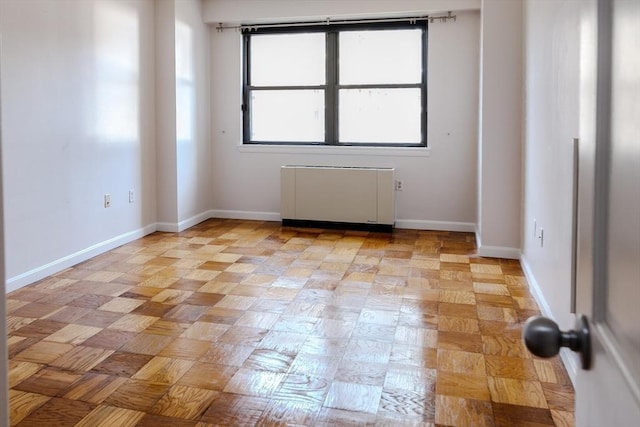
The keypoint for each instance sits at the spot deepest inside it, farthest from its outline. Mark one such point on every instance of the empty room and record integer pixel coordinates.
(319, 212)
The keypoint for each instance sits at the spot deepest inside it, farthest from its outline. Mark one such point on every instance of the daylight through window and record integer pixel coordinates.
(336, 85)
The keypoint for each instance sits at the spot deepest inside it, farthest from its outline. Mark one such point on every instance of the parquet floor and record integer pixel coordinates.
(249, 323)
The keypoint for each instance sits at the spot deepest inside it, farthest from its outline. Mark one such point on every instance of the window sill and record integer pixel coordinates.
(342, 151)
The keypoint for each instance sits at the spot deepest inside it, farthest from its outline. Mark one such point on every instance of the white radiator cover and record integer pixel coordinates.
(338, 194)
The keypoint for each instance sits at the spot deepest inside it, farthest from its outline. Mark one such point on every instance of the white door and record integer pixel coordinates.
(608, 221)
(608, 275)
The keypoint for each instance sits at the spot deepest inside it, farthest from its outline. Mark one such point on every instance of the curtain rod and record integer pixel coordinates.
(330, 21)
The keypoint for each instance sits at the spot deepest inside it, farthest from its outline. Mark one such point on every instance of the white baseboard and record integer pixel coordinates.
(249, 215)
(496, 251)
(568, 358)
(402, 223)
(194, 220)
(38, 273)
(413, 224)
(570, 363)
(417, 224)
(167, 227)
(172, 227)
(536, 291)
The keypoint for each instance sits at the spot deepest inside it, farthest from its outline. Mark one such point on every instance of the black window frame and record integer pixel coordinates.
(331, 86)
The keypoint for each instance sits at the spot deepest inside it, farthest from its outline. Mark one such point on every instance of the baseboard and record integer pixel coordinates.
(568, 359)
(194, 220)
(172, 227)
(413, 224)
(570, 363)
(249, 215)
(496, 251)
(417, 224)
(535, 289)
(38, 273)
(167, 227)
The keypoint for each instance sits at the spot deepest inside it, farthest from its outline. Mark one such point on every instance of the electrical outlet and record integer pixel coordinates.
(107, 200)
(131, 196)
(399, 185)
(541, 237)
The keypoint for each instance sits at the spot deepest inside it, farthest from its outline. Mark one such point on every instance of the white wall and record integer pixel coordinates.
(440, 183)
(500, 130)
(79, 122)
(165, 96)
(193, 118)
(236, 11)
(4, 355)
(551, 123)
(183, 114)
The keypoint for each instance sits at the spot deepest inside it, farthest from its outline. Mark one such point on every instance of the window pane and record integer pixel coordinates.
(389, 56)
(380, 115)
(287, 115)
(287, 59)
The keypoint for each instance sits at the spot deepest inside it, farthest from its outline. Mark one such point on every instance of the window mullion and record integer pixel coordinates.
(331, 108)
(423, 124)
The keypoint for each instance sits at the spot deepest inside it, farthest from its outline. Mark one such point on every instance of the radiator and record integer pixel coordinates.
(353, 195)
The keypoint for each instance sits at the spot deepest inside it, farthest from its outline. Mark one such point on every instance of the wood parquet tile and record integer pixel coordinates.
(251, 323)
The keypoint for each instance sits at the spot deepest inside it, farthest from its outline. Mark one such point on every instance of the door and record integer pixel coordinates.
(608, 264)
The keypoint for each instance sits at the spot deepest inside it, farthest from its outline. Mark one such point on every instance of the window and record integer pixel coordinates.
(355, 84)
